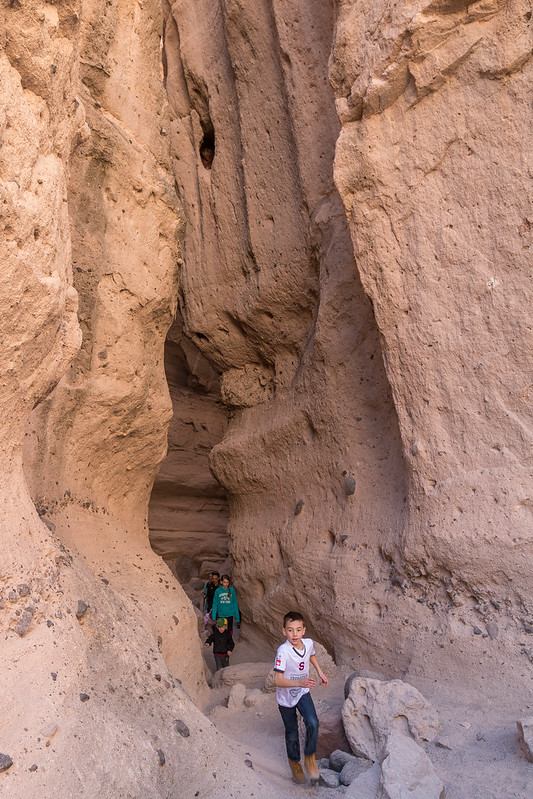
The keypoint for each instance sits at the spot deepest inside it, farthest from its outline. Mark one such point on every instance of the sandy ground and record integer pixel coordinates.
(476, 754)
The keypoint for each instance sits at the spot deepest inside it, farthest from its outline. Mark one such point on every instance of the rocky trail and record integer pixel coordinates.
(477, 752)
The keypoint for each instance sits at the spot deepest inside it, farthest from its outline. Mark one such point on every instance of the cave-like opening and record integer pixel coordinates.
(188, 512)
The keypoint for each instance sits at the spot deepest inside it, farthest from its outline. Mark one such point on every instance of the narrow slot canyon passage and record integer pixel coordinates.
(188, 511)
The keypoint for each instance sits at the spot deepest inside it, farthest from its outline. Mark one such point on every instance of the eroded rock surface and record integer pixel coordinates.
(375, 708)
(311, 459)
(88, 199)
(376, 461)
(434, 177)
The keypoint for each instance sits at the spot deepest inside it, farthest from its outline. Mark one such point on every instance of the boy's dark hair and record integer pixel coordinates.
(292, 615)
(215, 574)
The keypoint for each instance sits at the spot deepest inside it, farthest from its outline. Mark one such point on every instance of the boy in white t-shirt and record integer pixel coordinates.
(292, 692)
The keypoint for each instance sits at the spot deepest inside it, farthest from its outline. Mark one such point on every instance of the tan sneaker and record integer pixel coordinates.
(311, 767)
(297, 772)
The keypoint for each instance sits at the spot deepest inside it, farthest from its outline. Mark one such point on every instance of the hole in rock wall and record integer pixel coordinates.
(188, 511)
(207, 147)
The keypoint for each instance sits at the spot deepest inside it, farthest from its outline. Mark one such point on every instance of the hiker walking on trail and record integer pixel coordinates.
(209, 590)
(225, 603)
(293, 684)
(222, 642)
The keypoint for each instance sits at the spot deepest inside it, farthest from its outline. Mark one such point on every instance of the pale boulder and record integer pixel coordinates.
(366, 785)
(252, 675)
(375, 708)
(236, 696)
(525, 730)
(253, 697)
(407, 772)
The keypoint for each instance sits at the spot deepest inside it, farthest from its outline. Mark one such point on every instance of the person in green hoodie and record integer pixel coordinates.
(225, 603)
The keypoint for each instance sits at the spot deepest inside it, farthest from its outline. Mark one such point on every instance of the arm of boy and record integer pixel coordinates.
(323, 678)
(283, 682)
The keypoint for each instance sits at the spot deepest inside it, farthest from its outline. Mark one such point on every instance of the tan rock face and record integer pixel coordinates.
(95, 630)
(377, 500)
(272, 297)
(432, 167)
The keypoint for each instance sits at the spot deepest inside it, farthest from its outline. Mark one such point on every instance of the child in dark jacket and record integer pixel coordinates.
(223, 643)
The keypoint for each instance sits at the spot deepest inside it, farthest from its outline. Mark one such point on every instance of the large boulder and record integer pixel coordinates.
(366, 785)
(375, 708)
(252, 675)
(407, 772)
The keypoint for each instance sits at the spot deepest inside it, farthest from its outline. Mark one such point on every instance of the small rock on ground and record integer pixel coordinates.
(338, 759)
(329, 778)
(352, 769)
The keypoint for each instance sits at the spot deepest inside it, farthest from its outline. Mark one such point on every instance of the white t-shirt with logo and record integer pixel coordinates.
(294, 665)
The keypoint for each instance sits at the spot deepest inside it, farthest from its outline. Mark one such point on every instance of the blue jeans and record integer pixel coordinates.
(306, 708)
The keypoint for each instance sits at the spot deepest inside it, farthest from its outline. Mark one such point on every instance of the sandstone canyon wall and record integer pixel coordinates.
(370, 326)
(100, 654)
(338, 197)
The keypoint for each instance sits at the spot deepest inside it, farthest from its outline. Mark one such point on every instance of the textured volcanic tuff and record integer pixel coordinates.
(377, 461)
(337, 196)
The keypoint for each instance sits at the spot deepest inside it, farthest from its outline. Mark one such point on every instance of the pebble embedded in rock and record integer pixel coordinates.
(49, 730)
(82, 609)
(182, 728)
(5, 762)
(24, 589)
(477, 631)
(34, 767)
(84, 697)
(299, 506)
(492, 629)
(23, 624)
(349, 486)
(161, 755)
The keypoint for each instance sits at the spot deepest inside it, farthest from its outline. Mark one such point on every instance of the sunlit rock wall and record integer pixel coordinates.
(312, 459)
(100, 656)
(435, 175)
(374, 343)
